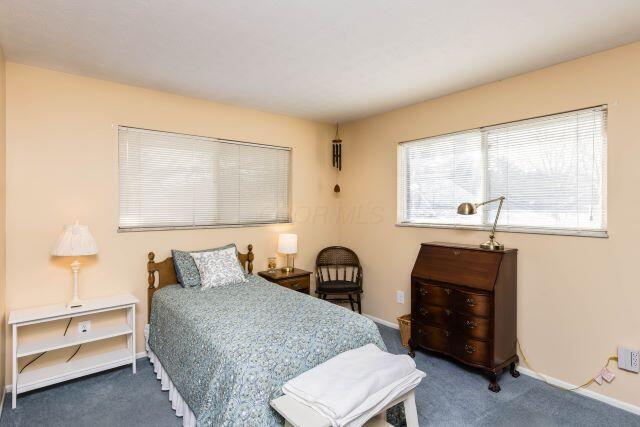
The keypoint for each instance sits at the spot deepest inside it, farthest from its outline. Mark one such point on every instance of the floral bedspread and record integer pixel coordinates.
(229, 349)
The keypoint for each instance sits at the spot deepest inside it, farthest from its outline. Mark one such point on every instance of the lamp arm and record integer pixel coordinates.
(501, 198)
(495, 222)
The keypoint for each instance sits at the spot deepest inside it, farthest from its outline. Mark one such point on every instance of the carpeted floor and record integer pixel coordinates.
(450, 395)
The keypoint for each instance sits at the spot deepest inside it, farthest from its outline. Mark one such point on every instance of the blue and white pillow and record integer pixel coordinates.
(218, 268)
(186, 269)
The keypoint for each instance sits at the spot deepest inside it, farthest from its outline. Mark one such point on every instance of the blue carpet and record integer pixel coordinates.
(451, 395)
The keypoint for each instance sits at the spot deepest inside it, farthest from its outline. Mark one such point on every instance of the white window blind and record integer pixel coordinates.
(170, 180)
(551, 169)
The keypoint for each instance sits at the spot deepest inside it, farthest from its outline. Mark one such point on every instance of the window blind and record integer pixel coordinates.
(437, 172)
(551, 169)
(170, 180)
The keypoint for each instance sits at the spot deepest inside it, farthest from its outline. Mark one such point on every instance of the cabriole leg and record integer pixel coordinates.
(493, 384)
(513, 371)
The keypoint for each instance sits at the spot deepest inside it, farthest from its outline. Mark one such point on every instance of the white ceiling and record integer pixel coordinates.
(326, 60)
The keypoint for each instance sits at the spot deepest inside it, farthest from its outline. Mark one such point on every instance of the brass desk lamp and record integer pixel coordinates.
(471, 208)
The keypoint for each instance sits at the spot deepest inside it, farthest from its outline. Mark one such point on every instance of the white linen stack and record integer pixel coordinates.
(355, 385)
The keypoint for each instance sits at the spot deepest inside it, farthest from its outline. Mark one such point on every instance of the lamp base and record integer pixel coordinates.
(492, 245)
(75, 301)
(290, 265)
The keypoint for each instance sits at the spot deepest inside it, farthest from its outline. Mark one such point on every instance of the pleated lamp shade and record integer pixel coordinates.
(75, 240)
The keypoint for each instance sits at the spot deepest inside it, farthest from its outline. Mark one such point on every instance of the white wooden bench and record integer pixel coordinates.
(298, 415)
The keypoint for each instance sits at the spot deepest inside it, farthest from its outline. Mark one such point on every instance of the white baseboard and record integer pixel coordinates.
(588, 393)
(382, 322)
(584, 392)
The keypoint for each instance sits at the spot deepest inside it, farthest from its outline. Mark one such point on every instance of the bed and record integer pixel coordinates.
(227, 351)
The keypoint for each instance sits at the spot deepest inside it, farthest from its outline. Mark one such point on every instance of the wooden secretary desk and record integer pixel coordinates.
(463, 304)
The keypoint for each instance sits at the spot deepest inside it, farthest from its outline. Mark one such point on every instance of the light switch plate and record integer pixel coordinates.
(400, 297)
(628, 359)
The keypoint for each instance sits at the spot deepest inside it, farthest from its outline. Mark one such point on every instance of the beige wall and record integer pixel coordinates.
(2, 214)
(62, 164)
(578, 297)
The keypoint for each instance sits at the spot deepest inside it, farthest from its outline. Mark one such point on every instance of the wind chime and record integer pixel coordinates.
(337, 154)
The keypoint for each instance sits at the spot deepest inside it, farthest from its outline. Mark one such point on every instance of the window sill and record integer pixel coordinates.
(197, 227)
(526, 230)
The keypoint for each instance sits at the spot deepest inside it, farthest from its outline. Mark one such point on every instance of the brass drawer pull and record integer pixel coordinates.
(456, 253)
(470, 302)
(295, 286)
(419, 331)
(447, 291)
(447, 312)
(470, 324)
(424, 311)
(447, 333)
(423, 291)
(469, 349)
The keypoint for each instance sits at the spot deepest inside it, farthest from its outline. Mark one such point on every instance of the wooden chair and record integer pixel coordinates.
(339, 273)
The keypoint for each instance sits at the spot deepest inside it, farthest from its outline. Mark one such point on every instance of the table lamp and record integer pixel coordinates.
(471, 208)
(75, 240)
(288, 245)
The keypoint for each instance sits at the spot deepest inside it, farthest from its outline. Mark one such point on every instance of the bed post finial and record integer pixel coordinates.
(150, 269)
(250, 259)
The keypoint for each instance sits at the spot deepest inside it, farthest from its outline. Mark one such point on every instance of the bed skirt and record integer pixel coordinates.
(177, 403)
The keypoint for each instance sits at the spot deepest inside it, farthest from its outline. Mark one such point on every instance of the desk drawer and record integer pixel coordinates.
(473, 327)
(431, 294)
(472, 351)
(472, 303)
(431, 337)
(435, 315)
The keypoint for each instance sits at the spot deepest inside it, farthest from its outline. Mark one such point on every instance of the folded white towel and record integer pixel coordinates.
(378, 401)
(355, 384)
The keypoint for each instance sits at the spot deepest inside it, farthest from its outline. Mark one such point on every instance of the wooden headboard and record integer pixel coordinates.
(167, 273)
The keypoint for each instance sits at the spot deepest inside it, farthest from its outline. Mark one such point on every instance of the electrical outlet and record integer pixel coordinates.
(400, 297)
(84, 327)
(628, 359)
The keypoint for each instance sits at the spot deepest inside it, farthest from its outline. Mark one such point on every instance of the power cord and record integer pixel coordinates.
(77, 349)
(66, 329)
(74, 353)
(31, 361)
(543, 378)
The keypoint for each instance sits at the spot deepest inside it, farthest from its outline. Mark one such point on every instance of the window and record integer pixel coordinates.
(551, 169)
(170, 180)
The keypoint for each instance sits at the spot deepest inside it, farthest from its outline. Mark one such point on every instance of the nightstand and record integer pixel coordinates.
(298, 280)
(35, 378)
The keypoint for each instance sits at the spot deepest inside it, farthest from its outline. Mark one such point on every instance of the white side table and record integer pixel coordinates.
(41, 377)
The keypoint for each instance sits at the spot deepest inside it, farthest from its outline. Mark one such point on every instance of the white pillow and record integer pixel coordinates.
(218, 268)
